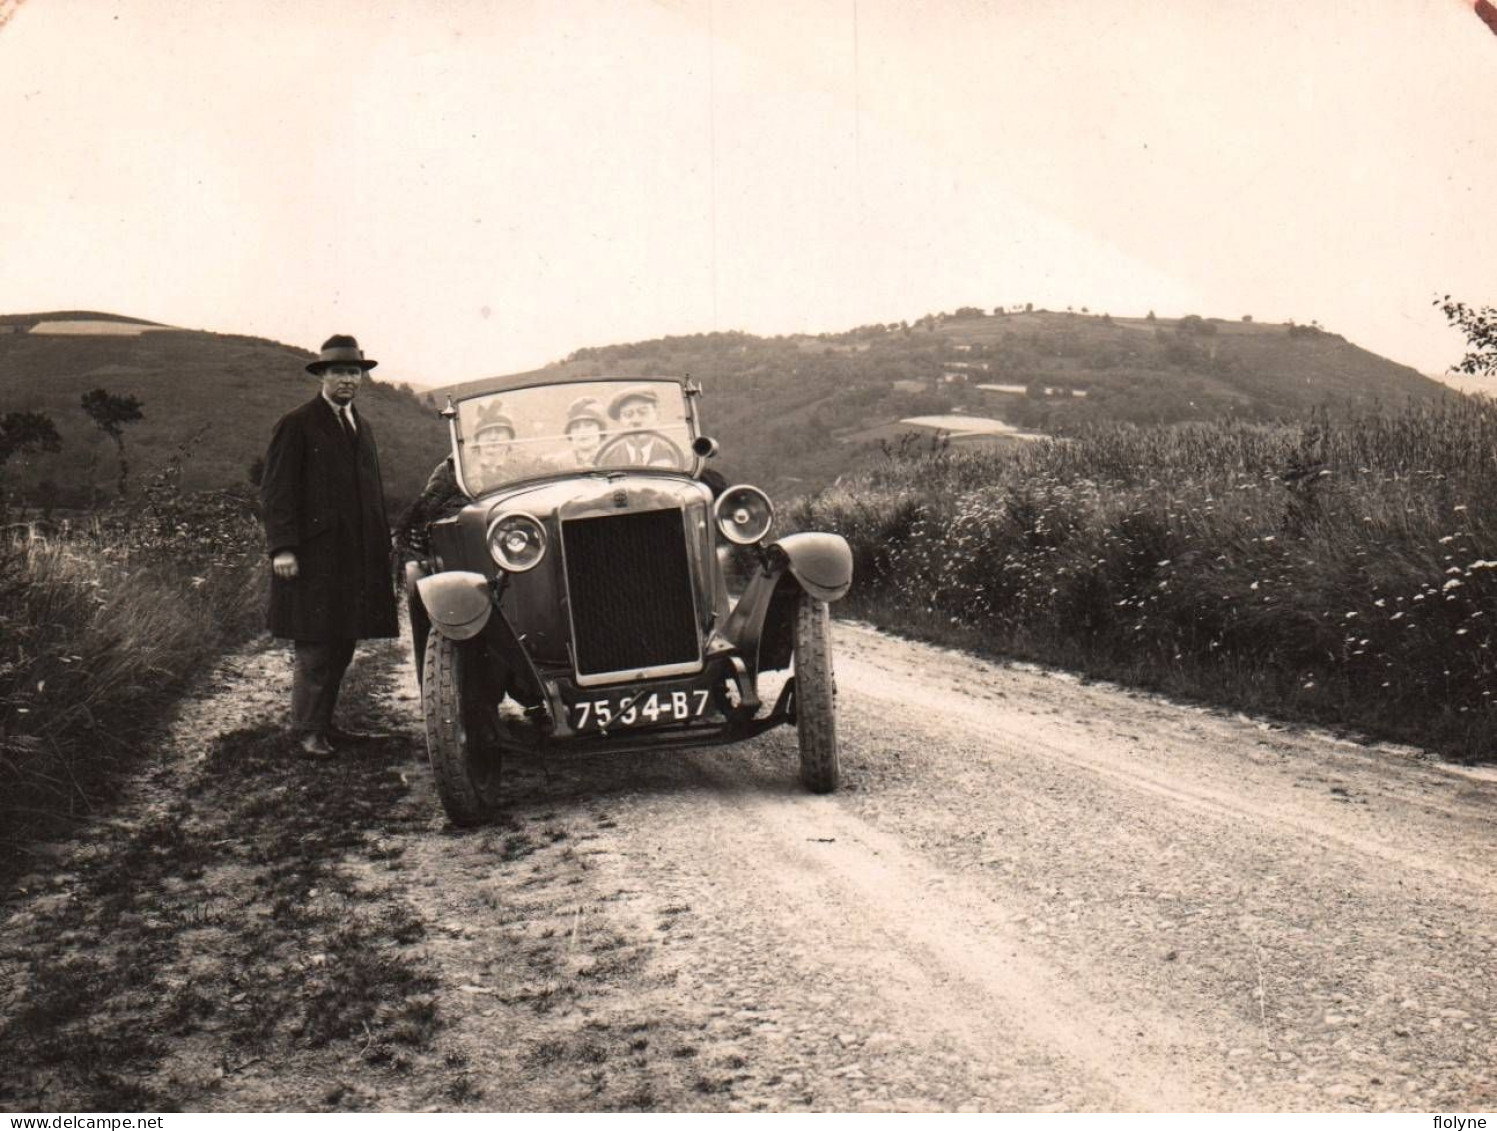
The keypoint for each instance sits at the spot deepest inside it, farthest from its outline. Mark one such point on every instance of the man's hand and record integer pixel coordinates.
(284, 565)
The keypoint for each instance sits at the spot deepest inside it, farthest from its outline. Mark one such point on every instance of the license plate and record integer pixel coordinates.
(616, 710)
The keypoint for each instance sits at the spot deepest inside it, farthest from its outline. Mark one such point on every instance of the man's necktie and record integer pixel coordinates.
(349, 432)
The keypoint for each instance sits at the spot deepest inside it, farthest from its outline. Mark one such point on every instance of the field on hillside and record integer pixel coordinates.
(796, 412)
(226, 391)
(1343, 571)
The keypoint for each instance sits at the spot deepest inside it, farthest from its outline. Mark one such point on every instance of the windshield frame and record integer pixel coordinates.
(690, 390)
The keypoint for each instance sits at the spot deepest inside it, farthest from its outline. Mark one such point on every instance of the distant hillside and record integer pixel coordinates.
(799, 410)
(186, 379)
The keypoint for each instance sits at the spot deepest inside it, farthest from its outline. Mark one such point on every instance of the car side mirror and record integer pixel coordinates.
(704, 446)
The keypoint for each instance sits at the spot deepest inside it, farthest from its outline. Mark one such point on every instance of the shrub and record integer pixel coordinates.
(1338, 571)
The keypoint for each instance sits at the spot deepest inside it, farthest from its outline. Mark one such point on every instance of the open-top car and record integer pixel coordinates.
(577, 598)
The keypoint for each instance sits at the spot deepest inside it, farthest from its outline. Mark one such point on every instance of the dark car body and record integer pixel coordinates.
(586, 607)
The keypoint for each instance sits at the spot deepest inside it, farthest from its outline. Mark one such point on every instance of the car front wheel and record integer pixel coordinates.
(459, 736)
(815, 695)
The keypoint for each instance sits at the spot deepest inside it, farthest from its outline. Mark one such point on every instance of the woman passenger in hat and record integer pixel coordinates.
(585, 429)
(493, 438)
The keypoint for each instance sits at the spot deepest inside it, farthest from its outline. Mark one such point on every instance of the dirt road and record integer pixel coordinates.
(1031, 894)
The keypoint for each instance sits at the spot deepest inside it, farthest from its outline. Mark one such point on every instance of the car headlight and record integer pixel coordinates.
(517, 542)
(744, 514)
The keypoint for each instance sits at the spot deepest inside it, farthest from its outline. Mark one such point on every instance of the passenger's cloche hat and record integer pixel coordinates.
(340, 349)
(492, 416)
(585, 409)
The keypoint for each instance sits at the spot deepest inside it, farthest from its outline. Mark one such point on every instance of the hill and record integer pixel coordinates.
(233, 386)
(793, 412)
(799, 410)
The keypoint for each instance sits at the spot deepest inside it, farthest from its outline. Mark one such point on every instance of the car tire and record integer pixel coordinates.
(465, 763)
(815, 695)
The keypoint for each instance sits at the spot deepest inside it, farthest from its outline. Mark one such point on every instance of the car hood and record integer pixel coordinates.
(584, 496)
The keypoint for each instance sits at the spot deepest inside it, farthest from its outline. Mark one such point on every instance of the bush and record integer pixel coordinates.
(1340, 572)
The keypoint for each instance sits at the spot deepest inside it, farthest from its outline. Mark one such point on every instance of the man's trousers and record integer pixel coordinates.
(320, 665)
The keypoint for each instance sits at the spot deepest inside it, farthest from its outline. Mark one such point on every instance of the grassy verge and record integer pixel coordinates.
(221, 932)
(1338, 572)
(101, 628)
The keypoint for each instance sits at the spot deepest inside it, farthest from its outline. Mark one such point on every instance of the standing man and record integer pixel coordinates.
(329, 541)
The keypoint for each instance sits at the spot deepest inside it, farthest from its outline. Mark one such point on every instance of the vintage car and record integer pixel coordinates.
(578, 598)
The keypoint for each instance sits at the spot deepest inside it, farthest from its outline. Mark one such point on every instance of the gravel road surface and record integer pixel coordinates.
(1032, 893)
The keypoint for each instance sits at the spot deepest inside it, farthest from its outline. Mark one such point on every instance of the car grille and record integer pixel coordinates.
(631, 592)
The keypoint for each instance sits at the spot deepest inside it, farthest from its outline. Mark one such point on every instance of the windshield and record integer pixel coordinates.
(520, 434)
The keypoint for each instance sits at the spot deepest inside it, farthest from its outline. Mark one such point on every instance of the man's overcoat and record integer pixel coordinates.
(323, 500)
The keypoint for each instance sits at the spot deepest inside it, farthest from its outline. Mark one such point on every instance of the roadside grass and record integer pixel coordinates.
(1342, 572)
(225, 924)
(101, 628)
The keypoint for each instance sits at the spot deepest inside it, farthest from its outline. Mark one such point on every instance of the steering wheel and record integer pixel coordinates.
(614, 447)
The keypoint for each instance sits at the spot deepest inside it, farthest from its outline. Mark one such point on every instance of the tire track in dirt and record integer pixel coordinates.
(1030, 894)
(1091, 919)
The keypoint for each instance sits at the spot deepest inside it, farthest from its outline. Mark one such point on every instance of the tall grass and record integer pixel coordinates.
(100, 629)
(1342, 571)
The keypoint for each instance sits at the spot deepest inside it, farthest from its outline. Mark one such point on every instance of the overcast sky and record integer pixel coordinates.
(475, 188)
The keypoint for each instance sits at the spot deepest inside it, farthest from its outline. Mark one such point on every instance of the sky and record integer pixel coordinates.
(479, 187)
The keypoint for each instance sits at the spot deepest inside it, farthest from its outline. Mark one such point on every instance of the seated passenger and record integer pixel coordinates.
(640, 444)
(442, 496)
(585, 429)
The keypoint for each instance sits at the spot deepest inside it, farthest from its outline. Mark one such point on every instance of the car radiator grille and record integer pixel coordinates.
(631, 592)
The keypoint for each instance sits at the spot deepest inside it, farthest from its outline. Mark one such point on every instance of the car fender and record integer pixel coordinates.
(458, 602)
(818, 564)
(822, 563)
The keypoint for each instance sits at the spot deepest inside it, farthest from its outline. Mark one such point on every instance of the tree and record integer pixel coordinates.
(27, 431)
(1479, 327)
(110, 413)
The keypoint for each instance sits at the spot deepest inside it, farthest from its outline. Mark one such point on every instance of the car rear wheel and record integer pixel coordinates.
(815, 695)
(460, 738)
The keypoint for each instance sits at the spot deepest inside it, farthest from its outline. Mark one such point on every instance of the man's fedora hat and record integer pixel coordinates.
(340, 348)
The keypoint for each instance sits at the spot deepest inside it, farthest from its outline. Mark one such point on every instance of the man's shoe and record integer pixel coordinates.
(341, 736)
(315, 745)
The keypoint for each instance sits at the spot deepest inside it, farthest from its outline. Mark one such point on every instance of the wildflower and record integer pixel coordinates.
(1453, 583)
(1350, 615)
(1447, 538)
(1380, 602)
(1309, 685)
